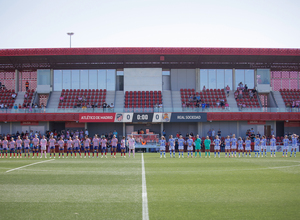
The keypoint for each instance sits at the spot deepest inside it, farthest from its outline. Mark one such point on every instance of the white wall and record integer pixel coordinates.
(183, 79)
(142, 79)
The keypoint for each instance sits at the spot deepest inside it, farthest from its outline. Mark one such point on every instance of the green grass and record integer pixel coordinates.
(185, 188)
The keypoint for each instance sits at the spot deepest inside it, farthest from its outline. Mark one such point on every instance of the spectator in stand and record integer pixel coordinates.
(226, 106)
(183, 105)
(112, 105)
(251, 94)
(240, 93)
(246, 88)
(203, 106)
(240, 106)
(204, 88)
(244, 105)
(198, 97)
(14, 95)
(258, 134)
(27, 85)
(227, 90)
(15, 106)
(26, 95)
(104, 105)
(236, 94)
(61, 99)
(20, 106)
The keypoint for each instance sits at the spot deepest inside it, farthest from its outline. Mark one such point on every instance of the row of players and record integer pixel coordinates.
(73, 146)
(232, 145)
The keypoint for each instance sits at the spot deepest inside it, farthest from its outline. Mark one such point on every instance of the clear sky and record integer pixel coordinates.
(150, 23)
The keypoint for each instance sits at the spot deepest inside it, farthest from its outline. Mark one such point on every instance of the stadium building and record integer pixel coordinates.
(151, 89)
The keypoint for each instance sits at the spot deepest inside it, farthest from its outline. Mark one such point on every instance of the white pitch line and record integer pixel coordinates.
(144, 192)
(28, 165)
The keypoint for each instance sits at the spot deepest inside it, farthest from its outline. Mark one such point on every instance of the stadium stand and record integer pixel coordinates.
(81, 97)
(6, 97)
(246, 100)
(214, 98)
(291, 97)
(142, 99)
(28, 98)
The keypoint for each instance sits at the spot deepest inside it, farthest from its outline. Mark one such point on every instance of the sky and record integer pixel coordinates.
(150, 23)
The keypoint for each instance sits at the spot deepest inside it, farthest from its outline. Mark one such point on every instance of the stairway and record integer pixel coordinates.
(119, 102)
(176, 101)
(278, 99)
(19, 99)
(54, 99)
(231, 100)
(110, 97)
(167, 100)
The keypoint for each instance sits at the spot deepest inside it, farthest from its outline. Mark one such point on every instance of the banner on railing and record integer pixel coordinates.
(97, 117)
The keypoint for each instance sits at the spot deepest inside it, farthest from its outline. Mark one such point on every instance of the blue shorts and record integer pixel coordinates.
(4, 148)
(103, 148)
(241, 148)
(76, 148)
(12, 149)
(69, 148)
(35, 147)
(26, 148)
(52, 147)
(86, 147)
(19, 148)
(114, 146)
(61, 148)
(95, 147)
(123, 148)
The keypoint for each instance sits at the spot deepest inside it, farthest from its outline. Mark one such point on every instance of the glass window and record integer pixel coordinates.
(212, 80)
(43, 77)
(166, 73)
(75, 79)
(66, 79)
(120, 73)
(228, 79)
(263, 76)
(220, 79)
(203, 79)
(57, 80)
(239, 77)
(249, 78)
(111, 80)
(101, 79)
(84, 79)
(93, 74)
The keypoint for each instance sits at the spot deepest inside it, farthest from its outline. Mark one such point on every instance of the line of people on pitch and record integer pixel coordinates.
(88, 146)
(232, 146)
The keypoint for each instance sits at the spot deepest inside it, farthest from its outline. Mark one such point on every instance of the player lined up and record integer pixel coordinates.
(73, 146)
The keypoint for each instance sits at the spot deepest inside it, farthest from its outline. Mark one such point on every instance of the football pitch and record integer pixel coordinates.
(185, 188)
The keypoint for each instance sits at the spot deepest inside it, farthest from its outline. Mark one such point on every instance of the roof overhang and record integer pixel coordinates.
(142, 57)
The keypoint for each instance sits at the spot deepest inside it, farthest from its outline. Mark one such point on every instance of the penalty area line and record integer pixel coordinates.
(29, 165)
(144, 192)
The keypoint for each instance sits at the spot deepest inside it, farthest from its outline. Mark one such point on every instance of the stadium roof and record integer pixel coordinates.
(149, 57)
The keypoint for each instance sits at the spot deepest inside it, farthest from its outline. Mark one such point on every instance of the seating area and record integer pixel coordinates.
(82, 97)
(213, 98)
(142, 99)
(247, 99)
(6, 98)
(291, 97)
(28, 98)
